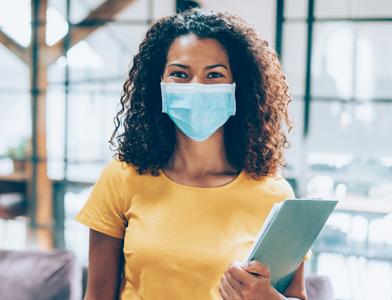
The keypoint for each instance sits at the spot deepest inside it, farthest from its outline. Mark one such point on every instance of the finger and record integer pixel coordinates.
(257, 268)
(236, 284)
(227, 286)
(224, 294)
(240, 274)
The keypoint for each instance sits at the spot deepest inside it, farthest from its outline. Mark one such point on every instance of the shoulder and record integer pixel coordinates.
(272, 186)
(117, 167)
(282, 187)
(117, 171)
(120, 167)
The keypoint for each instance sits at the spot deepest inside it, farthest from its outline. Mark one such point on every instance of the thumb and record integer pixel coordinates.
(256, 268)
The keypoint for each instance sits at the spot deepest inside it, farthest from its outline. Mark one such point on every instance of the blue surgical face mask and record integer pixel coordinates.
(198, 110)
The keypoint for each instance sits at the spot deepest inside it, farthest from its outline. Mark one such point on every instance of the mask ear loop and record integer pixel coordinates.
(234, 98)
(163, 95)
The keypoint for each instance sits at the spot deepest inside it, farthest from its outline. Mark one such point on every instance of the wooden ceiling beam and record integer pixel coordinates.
(106, 11)
(20, 51)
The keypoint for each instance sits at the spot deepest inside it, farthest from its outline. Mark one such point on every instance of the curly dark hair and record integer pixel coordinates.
(254, 137)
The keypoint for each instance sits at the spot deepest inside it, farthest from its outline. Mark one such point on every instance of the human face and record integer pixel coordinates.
(193, 60)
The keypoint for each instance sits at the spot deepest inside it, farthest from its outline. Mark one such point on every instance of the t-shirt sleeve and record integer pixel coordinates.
(308, 255)
(104, 209)
(283, 189)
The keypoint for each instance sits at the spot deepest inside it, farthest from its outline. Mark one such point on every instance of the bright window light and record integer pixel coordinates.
(81, 56)
(15, 19)
(56, 26)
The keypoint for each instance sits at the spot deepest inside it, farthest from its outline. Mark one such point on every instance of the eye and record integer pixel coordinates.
(178, 74)
(214, 75)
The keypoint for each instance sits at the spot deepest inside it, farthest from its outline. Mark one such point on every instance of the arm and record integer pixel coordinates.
(296, 288)
(252, 281)
(105, 266)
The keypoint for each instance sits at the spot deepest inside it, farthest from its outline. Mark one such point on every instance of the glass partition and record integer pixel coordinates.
(337, 61)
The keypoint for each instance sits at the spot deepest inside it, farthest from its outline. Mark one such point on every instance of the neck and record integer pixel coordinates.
(196, 159)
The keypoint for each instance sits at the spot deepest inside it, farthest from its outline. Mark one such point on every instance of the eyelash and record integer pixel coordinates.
(174, 74)
(213, 75)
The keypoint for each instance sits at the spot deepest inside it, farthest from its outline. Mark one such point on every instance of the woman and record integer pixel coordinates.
(196, 171)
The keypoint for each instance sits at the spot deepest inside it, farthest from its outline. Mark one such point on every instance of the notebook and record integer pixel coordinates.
(287, 234)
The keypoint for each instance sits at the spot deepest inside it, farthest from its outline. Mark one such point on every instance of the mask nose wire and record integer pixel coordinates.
(234, 82)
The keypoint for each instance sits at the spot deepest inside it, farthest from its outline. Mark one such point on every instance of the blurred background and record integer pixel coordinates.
(62, 67)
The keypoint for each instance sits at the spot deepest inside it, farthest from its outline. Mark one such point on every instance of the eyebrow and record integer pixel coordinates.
(178, 65)
(187, 67)
(215, 66)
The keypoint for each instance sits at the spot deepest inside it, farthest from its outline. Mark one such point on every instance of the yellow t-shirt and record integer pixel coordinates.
(178, 240)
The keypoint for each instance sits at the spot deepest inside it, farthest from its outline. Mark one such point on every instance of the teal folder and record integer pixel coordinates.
(288, 233)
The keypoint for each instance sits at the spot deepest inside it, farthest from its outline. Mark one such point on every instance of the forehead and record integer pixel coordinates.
(191, 48)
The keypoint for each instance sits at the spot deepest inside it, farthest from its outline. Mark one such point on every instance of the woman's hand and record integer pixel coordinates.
(247, 281)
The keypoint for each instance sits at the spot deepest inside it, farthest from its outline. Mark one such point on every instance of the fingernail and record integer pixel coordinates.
(245, 264)
(233, 264)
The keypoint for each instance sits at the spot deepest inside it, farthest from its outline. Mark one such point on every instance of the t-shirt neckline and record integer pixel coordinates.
(225, 186)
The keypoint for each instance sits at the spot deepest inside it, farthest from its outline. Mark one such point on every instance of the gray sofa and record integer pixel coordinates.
(53, 275)
(318, 288)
